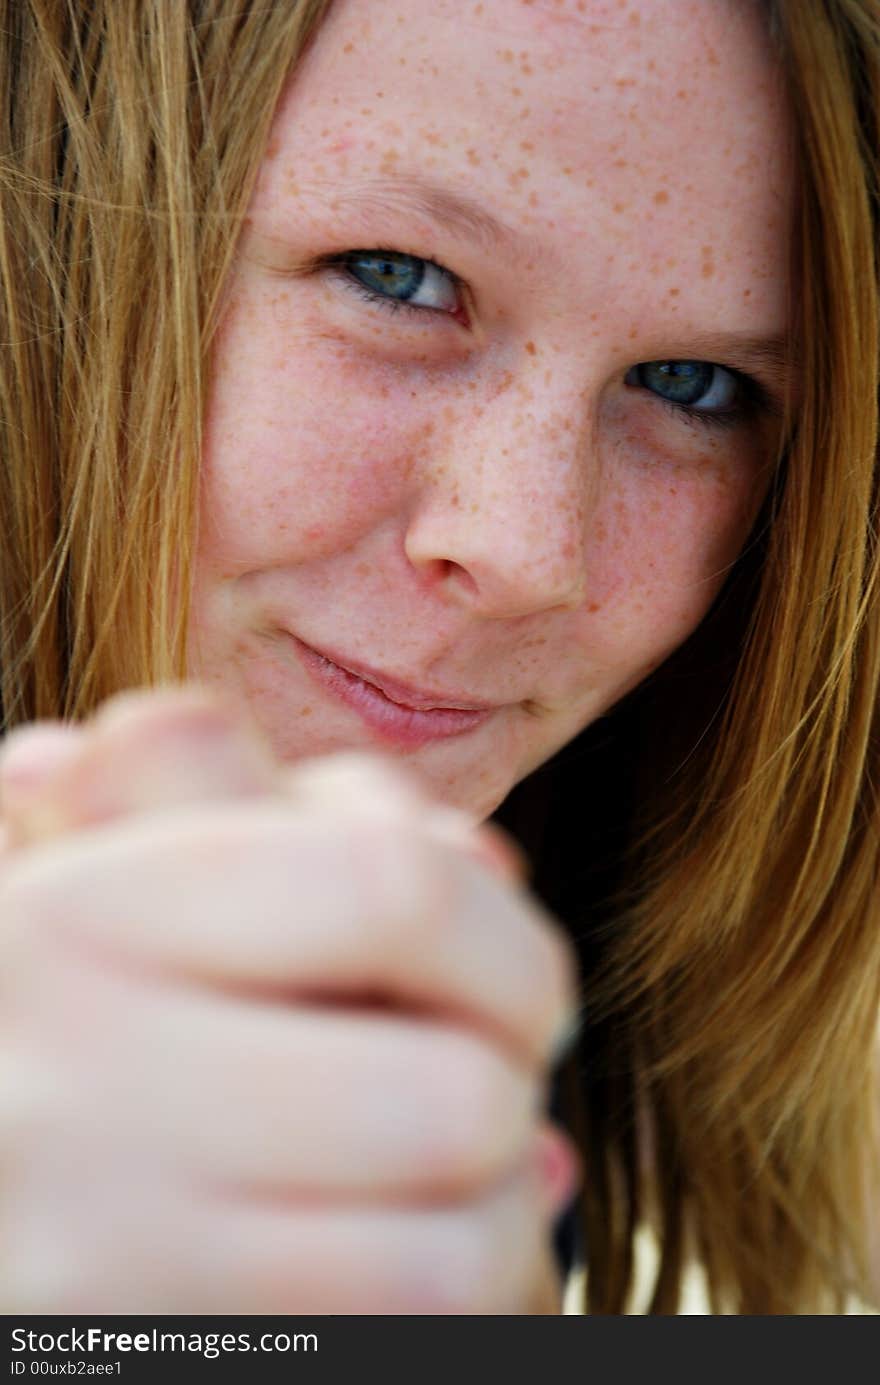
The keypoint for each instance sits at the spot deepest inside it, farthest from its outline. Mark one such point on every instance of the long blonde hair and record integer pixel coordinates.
(130, 139)
(727, 1080)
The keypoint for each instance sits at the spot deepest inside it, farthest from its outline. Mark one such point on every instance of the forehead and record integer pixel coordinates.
(660, 125)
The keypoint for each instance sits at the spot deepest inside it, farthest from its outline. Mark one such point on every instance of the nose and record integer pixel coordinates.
(504, 494)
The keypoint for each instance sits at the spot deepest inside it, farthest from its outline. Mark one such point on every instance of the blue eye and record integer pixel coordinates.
(695, 386)
(395, 279)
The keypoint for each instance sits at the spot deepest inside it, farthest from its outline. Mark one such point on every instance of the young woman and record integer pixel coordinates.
(488, 388)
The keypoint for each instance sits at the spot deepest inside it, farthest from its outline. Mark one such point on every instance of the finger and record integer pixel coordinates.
(481, 1257)
(287, 1102)
(376, 786)
(141, 752)
(257, 896)
(159, 1249)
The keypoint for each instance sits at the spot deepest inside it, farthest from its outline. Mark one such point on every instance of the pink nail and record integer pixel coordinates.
(559, 1167)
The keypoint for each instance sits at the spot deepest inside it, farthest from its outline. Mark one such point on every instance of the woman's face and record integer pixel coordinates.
(499, 375)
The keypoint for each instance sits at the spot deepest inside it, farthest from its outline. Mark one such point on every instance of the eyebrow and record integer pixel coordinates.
(457, 213)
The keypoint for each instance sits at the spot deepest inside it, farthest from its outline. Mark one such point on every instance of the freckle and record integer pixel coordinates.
(747, 293)
(681, 94)
(507, 55)
(349, 48)
(526, 146)
(533, 199)
(455, 502)
(661, 197)
(473, 157)
(306, 712)
(632, 333)
(673, 293)
(531, 348)
(635, 18)
(619, 207)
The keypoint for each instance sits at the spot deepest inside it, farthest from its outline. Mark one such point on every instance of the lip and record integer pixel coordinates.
(405, 716)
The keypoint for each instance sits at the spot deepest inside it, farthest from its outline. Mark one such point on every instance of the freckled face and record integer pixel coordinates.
(487, 420)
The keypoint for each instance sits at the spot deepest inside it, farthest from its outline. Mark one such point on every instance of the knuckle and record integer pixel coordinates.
(137, 710)
(481, 1112)
(174, 746)
(404, 890)
(357, 782)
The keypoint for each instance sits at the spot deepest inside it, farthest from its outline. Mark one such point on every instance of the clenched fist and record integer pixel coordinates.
(273, 1041)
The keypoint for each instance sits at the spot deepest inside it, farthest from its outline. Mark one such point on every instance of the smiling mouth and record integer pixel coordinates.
(398, 722)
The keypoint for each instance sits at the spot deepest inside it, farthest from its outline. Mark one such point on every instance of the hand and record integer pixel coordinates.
(274, 1041)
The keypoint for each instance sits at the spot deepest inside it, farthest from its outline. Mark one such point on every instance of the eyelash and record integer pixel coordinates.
(752, 398)
(391, 305)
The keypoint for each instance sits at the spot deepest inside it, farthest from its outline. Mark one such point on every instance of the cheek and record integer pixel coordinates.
(301, 454)
(663, 540)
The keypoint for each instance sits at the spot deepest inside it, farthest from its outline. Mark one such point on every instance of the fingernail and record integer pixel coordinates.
(559, 1168)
